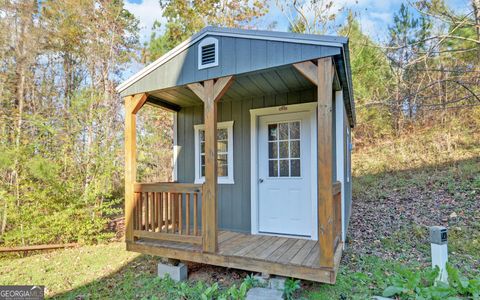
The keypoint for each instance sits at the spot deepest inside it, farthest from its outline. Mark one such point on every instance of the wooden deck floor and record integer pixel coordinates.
(298, 258)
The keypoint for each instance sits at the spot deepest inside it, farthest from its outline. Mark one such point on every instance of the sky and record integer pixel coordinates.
(374, 15)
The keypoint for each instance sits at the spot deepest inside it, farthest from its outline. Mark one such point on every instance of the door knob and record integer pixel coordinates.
(260, 180)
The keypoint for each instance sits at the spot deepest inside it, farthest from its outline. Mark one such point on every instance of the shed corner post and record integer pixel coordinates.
(210, 93)
(322, 75)
(132, 106)
(324, 161)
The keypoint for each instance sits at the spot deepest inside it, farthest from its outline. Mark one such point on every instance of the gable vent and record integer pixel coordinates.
(208, 53)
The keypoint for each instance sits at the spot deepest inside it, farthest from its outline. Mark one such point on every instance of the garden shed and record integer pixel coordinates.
(262, 177)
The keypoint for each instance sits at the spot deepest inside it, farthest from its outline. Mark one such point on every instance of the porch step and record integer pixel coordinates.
(264, 294)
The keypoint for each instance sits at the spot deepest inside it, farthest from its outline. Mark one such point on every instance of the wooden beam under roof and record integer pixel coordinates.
(155, 101)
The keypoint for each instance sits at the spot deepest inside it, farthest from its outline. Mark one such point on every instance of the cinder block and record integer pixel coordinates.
(261, 281)
(177, 273)
(264, 294)
(277, 283)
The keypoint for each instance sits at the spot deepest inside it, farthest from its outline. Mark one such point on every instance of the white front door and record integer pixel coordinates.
(284, 172)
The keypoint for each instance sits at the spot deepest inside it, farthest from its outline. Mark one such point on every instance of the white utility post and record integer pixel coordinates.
(438, 240)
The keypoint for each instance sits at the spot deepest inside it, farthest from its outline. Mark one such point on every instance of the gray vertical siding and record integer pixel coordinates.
(234, 199)
(347, 173)
(236, 56)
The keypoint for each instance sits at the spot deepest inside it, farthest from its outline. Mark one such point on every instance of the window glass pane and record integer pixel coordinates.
(272, 150)
(222, 134)
(272, 132)
(284, 168)
(295, 149)
(283, 131)
(273, 168)
(222, 155)
(222, 170)
(222, 159)
(294, 130)
(295, 168)
(222, 146)
(283, 149)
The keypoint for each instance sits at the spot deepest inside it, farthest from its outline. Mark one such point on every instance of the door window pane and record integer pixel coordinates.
(295, 149)
(284, 151)
(284, 168)
(272, 150)
(294, 130)
(273, 168)
(283, 131)
(295, 168)
(272, 132)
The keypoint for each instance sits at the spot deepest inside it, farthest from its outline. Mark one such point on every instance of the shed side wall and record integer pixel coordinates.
(234, 199)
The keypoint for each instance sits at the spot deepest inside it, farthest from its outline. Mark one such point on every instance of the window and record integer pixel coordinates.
(224, 153)
(284, 149)
(207, 53)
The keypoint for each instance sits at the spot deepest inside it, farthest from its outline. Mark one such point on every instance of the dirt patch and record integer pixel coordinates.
(395, 226)
(211, 274)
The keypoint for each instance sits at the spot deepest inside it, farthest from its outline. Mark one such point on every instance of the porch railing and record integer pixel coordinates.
(337, 211)
(168, 211)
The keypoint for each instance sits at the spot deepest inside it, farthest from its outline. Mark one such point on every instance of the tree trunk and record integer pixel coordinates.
(476, 11)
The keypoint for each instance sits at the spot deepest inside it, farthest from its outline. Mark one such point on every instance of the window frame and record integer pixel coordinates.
(221, 179)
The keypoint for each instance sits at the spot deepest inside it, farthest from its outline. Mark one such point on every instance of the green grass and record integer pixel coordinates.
(65, 270)
(370, 279)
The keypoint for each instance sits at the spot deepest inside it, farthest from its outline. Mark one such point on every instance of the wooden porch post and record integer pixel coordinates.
(210, 92)
(132, 106)
(322, 75)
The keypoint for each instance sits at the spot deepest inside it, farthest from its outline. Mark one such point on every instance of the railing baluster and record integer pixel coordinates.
(174, 206)
(195, 221)
(164, 199)
(141, 211)
(157, 212)
(167, 211)
(180, 212)
(154, 211)
(147, 211)
(187, 212)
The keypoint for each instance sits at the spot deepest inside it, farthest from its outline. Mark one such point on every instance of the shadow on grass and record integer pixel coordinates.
(138, 280)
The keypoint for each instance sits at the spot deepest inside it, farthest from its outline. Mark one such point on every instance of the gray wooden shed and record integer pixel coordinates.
(262, 152)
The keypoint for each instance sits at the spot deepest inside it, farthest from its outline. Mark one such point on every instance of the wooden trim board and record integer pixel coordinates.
(324, 275)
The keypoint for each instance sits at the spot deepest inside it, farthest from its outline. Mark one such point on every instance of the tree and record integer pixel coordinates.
(184, 18)
(62, 114)
(311, 16)
(371, 77)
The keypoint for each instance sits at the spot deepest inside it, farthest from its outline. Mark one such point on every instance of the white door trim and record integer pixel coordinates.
(340, 140)
(254, 115)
